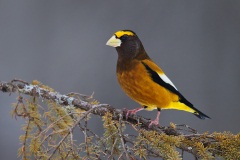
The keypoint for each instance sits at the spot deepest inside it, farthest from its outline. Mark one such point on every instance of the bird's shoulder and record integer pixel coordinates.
(152, 65)
(159, 76)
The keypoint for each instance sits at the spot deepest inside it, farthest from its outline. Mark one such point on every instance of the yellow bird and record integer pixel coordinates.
(143, 81)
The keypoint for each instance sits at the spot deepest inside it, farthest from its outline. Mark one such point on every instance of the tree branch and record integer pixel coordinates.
(139, 123)
(23, 87)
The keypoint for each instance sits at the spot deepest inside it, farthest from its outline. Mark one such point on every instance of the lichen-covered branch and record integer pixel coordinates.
(66, 101)
(49, 133)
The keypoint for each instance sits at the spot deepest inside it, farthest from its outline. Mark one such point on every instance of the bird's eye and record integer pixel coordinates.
(124, 37)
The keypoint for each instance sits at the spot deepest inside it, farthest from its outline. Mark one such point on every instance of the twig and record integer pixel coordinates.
(52, 124)
(19, 80)
(188, 127)
(86, 137)
(58, 145)
(112, 151)
(70, 132)
(81, 95)
(121, 138)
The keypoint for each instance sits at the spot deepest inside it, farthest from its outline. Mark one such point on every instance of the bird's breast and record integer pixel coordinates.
(137, 84)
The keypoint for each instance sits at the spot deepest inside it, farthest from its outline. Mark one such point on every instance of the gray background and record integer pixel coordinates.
(62, 44)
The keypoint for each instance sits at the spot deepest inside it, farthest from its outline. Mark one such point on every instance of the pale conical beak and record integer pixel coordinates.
(114, 42)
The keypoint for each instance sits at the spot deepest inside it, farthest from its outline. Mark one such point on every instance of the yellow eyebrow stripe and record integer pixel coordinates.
(121, 33)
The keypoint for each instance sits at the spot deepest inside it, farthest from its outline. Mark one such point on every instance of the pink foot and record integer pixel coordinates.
(133, 111)
(155, 122)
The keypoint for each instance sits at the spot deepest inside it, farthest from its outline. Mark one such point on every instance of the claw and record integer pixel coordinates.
(133, 111)
(156, 121)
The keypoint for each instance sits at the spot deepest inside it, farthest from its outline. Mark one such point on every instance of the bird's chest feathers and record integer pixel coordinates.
(131, 78)
(137, 84)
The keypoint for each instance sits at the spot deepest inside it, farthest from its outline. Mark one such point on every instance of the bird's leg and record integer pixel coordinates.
(133, 111)
(156, 121)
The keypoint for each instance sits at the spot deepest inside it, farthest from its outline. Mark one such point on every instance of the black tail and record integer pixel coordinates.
(199, 114)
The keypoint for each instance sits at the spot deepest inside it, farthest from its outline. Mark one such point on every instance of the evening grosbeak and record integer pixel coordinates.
(143, 81)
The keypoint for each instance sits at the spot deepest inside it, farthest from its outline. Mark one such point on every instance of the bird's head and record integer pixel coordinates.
(126, 43)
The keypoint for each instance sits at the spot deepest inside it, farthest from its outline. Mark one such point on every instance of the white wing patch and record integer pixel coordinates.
(167, 80)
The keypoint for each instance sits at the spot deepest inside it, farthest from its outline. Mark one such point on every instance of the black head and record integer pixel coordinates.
(126, 43)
